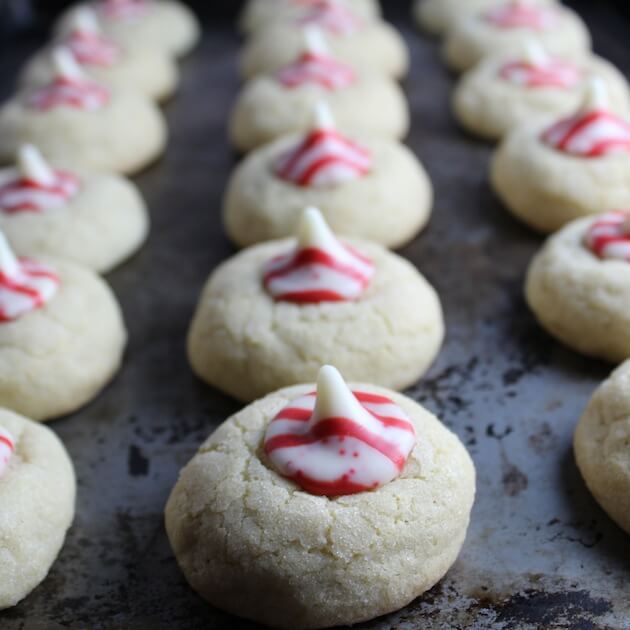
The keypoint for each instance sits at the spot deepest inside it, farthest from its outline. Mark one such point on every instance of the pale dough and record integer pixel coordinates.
(489, 106)
(546, 188)
(580, 299)
(102, 226)
(125, 135)
(146, 70)
(471, 38)
(170, 27)
(378, 47)
(246, 344)
(267, 110)
(258, 14)
(602, 449)
(254, 544)
(390, 205)
(37, 494)
(437, 16)
(56, 359)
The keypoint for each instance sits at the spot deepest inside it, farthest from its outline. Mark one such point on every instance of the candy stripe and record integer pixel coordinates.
(332, 17)
(340, 454)
(522, 15)
(84, 95)
(609, 236)
(555, 73)
(317, 69)
(124, 9)
(7, 448)
(30, 289)
(593, 134)
(24, 195)
(324, 158)
(91, 49)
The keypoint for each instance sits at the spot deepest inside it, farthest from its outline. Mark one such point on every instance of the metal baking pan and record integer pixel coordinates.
(540, 553)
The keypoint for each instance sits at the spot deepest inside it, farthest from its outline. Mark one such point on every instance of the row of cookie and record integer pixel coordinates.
(315, 505)
(362, 185)
(62, 333)
(563, 164)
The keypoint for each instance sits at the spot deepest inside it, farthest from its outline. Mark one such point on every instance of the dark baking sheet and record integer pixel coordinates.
(539, 554)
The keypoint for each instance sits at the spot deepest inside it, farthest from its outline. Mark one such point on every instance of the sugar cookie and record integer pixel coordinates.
(61, 335)
(437, 16)
(282, 102)
(269, 548)
(37, 493)
(79, 123)
(372, 45)
(507, 27)
(258, 14)
(579, 286)
(147, 70)
(164, 25)
(601, 446)
(505, 91)
(366, 186)
(271, 315)
(96, 220)
(575, 167)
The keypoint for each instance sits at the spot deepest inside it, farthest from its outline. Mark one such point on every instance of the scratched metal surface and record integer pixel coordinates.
(539, 554)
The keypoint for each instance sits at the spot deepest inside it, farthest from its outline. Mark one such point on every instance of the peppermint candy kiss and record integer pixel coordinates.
(336, 442)
(521, 14)
(7, 448)
(324, 158)
(70, 88)
(125, 10)
(25, 285)
(316, 67)
(332, 16)
(34, 186)
(87, 44)
(537, 70)
(319, 269)
(609, 236)
(593, 131)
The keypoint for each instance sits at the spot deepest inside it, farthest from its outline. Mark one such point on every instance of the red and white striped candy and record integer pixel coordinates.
(25, 285)
(521, 14)
(324, 158)
(551, 73)
(312, 68)
(590, 134)
(7, 448)
(609, 236)
(92, 49)
(125, 10)
(65, 92)
(337, 442)
(26, 195)
(319, 269)
(331, 16)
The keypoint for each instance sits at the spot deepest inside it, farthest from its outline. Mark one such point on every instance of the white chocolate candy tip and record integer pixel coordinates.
(595, 95)
(314, 231)
(65, 65)
(314, 41)
(323, 116)
(85, 21)
(33, 166)
(535, 53)
(334, 397)
(9, 264)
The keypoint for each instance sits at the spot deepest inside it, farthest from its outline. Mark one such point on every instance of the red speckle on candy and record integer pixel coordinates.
(342, 451)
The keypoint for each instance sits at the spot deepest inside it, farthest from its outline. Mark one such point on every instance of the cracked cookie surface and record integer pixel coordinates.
(252, 543)
(247, 345)
(37, 493)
